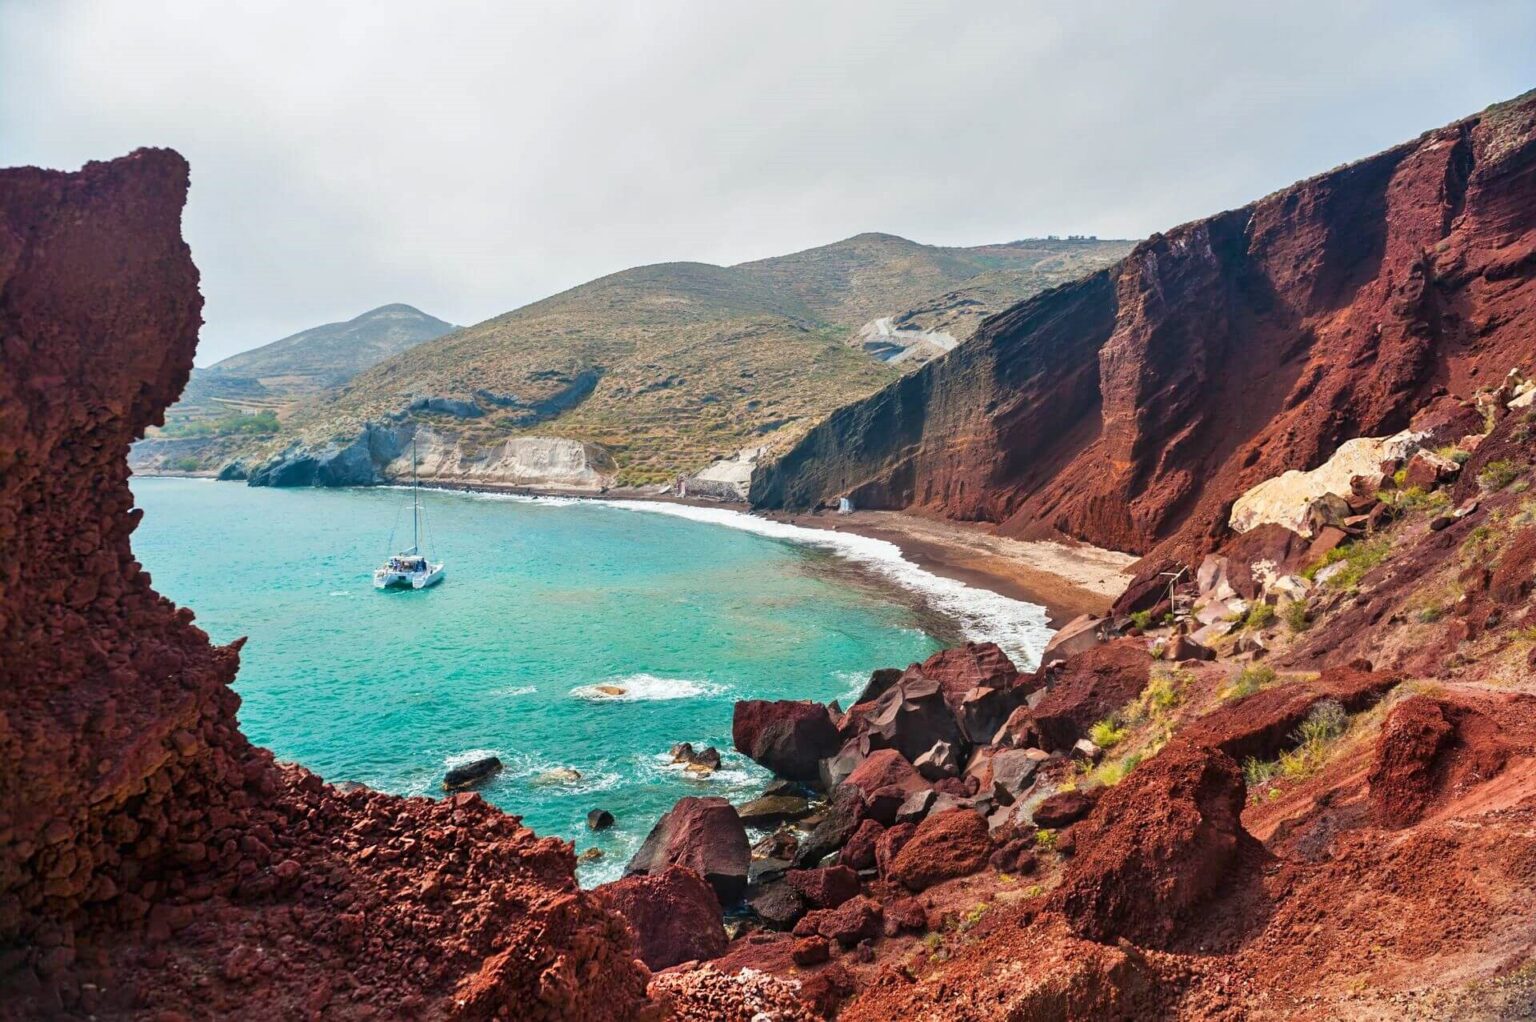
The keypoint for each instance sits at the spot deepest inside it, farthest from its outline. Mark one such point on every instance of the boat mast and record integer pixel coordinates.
(415, 504)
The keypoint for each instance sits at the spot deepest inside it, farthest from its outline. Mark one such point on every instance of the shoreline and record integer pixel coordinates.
(1067, 579)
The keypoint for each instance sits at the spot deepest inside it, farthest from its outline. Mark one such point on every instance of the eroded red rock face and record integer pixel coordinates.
(150, 858)
(1155, 846)
(1130, 408)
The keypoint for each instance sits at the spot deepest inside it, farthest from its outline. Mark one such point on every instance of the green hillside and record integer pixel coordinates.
(673, 365)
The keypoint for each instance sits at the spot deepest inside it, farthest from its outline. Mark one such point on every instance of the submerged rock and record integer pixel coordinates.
(771, 809)
(470, 775)
(559, 775)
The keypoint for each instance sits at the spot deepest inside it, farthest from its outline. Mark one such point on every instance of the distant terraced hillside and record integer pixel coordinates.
(671, 366)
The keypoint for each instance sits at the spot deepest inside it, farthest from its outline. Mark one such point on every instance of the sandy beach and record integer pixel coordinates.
(1066, 579)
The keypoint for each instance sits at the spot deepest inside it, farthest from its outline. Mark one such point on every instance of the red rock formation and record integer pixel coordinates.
(788, 737)
(1130, 408)
(1089, 687)
(944, 846)
(1428, 748)
(707, 836)
(675, 916)
(1155, 846)
(150, 858)
(1402, 776)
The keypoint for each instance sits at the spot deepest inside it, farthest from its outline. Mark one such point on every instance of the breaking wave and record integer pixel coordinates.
(638, 688)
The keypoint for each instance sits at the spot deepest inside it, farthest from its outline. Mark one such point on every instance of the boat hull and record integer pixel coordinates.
(408, 579)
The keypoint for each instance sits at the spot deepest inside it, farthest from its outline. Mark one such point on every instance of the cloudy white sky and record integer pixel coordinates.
(470, 157)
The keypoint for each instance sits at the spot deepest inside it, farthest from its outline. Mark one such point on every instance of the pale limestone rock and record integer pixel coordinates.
(517, 461)
(1289, 498)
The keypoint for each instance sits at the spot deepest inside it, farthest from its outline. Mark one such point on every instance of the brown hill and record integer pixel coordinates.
(673, 365)
(1129, 408)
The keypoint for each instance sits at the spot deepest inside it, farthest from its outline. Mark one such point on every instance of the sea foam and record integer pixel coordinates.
(1020, 628)
(646, 688)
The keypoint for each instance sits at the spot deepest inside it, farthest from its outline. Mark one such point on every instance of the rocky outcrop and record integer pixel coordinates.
(707, 836)
(1288, 499)
(1131, 408)
(674, 914)
(944, 846)
(1089, 687)
(728, 479)
(789, 738)
(1155, 846)
(381, 454)
(150, 857)
(199, 456)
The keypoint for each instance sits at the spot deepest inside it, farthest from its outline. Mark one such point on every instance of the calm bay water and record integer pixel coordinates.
(543, 600)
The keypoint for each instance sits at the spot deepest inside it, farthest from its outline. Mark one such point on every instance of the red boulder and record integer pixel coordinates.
(827, 887)
(707, 836)
(788, 737)
(1155, 846)
(675, 916)
(1065, 808)
(945, 846)
(1087, 688)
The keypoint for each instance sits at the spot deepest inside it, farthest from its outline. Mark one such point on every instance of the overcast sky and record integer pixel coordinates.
(468, 158)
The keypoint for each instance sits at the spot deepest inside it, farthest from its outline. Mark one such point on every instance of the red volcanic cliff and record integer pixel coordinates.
(1130, 408)
(152, 860)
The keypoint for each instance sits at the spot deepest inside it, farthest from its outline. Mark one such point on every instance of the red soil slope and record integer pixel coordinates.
(1130, 408)
(152, 860)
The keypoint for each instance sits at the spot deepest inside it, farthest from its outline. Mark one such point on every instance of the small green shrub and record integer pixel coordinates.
(1107, 733)
(1046, 839)
(1260, 615)
(1297, 615)
(1323, 725)
(1429, 615)
(972, 916)
(1142, 619)
(1327, 721)
(1258, 772)
(1313, 736)
(1250, 680)
(1498, 474)
(1358, 557)
(1479, 544)
(1455, 454)
(1415, 498)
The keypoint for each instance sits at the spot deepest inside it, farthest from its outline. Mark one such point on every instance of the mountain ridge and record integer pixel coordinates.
(677, 364)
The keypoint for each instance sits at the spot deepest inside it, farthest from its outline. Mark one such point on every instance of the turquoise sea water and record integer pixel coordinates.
(542, 601)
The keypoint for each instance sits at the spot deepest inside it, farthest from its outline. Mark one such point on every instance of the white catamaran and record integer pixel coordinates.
(410, 569)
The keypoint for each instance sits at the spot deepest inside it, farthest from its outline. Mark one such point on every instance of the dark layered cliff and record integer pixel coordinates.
(151, 859)
(1130, 408)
